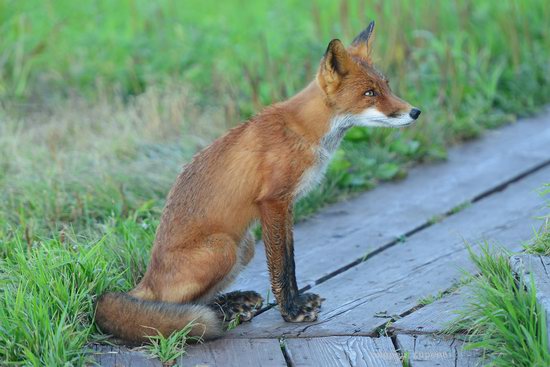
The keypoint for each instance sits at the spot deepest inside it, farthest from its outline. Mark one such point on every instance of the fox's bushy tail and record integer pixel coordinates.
(132, 319)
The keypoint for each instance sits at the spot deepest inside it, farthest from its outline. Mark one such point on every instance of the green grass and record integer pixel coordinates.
(406, 359)
(436, 219)
(102, 102)
(431, 298)
(233, 323)
(457, 209)
(540, 244)
(48, 286)
(169, 349)
(460, 207)
(503, 316)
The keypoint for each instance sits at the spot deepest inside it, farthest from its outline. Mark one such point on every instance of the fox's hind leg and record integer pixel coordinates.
(241, 304)
(190, 274)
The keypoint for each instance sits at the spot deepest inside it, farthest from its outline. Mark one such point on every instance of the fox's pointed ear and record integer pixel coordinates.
(365, 36)
(362, 44)
(335, 65)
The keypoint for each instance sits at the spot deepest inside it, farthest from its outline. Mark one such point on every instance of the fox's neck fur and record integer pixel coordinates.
(315, 121)
(310, 112)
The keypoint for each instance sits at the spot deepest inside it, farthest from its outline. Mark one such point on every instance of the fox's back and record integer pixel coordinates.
(219, 189)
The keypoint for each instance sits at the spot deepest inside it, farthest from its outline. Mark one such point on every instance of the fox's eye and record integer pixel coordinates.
(370, 93)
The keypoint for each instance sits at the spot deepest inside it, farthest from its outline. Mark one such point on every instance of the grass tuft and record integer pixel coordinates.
(233, 323)
(169, 349)
(460, 207)
(48, 289)
(429, 299)
(540, 244)
(406, 359)
(503, 317)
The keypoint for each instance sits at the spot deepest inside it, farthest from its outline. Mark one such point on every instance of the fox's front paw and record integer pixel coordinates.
(304, 308)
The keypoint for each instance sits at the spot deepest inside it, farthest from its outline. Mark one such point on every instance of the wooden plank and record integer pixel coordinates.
(376, 218)
(364, 297)
(430, 351)
(536, 267)
(342, 351)
(223, 352)
(113, 356)
(432, 318)
(235, 352)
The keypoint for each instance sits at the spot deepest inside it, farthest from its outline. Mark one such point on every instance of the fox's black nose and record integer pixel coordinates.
(415, 112)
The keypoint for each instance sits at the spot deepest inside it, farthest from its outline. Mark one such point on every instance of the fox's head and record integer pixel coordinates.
(356, 91)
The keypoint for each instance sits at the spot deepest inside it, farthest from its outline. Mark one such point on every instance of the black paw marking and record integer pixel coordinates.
(304, 308)
(239, 304)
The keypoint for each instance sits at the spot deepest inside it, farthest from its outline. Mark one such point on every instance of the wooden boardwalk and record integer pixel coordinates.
(374, 257)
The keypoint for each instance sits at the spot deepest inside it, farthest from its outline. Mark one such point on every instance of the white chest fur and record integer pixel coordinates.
(313, 175)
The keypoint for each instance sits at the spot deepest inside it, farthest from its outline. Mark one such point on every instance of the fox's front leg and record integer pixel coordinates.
(276, 216)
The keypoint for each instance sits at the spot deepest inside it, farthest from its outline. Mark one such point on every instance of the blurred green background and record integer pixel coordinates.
(101, 102)
(257, 52)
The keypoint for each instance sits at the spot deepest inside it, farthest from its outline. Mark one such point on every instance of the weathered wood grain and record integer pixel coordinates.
(430, 351)
(536, 267)
(432, 318)
(347, 231)
(223, 353)
(235, 353)
(342, 351)
(364, 297)
(110, 356)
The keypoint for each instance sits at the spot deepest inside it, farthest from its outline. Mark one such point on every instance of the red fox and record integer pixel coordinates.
(256, 171)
